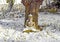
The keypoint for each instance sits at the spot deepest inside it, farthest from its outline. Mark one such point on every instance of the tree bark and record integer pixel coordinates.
(26, 14)
(32, 7)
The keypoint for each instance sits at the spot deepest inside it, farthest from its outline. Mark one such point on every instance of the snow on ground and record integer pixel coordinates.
(11, 29)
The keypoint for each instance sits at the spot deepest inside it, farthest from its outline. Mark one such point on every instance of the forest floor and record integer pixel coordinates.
(11, 29)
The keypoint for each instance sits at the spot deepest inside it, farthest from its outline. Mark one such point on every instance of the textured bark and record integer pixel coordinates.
(26, 14)
(32, 7)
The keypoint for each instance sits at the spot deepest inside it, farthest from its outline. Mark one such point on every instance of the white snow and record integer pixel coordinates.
(11, 29)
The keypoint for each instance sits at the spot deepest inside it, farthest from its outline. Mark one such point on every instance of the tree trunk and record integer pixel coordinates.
(34, 11)
(26, 14)
(32, 7)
